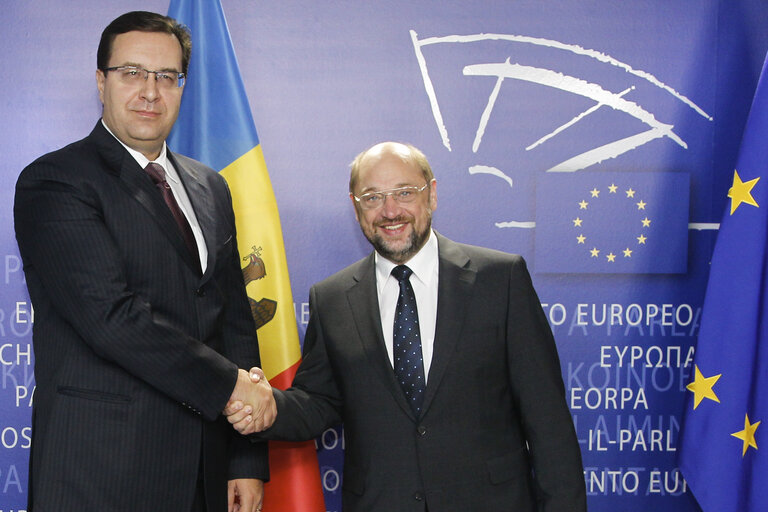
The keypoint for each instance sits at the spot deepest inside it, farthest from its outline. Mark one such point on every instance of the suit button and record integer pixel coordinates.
(200, 292)
(418, 496)
(422, 430)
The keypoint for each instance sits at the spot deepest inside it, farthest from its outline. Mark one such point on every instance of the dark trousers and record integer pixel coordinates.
(198, 504)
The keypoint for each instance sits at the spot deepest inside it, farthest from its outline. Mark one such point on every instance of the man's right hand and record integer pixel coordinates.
(251, 408)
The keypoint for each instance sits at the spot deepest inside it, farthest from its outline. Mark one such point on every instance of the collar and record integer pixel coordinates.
(423, 263)
(142, 160)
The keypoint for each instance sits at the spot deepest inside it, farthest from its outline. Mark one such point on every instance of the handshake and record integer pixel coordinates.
(251, 408)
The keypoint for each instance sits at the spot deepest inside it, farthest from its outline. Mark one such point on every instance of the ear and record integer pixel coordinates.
(433, 194)
(100, 78)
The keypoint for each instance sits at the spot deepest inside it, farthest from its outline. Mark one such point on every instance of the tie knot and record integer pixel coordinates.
(156, 172)
(402, 273)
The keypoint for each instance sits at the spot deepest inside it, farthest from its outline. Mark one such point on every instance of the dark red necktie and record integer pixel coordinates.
(157, 173)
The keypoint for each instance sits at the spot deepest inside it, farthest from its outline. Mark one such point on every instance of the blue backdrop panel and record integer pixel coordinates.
(520, 107)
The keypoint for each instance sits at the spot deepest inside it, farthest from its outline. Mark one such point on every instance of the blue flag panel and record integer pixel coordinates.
(215, 124)
(724, 443)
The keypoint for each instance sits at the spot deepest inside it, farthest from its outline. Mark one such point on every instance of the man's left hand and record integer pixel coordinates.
(245, 495)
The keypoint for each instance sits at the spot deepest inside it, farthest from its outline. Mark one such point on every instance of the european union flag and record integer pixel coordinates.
(723, 429)
(612, 222)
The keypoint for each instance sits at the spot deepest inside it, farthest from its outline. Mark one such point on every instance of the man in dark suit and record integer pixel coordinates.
(142, 321)
(455, 403)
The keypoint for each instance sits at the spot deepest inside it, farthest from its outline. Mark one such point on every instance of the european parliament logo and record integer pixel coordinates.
(610, 222)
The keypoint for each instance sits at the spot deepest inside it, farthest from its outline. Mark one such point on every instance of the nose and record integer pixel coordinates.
(149, 89)
(390, 208)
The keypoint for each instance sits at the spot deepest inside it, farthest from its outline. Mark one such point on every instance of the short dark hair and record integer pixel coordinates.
(143, 21)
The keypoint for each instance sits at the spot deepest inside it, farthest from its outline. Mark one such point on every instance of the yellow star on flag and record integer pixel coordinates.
(641, 205)
(747, 435)
(583, 205)
(627, 252)
(630, 193)
(702, 387)
(581, 239)
(641, 239)
(577, 222)
(611, 257)
(612, 188)
(741, 192)
(594, 192)
(646, 222)
(594, 252)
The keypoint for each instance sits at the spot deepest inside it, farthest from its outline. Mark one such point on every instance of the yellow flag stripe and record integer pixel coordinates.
(258, 224)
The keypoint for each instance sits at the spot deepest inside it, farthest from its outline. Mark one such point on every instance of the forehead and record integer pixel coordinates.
(382, 171)
(154, 50)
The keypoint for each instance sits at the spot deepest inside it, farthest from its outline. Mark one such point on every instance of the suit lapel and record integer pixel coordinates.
(139, 186)
(145, 192)
(455, 281)
(364, 304)
(201, 198)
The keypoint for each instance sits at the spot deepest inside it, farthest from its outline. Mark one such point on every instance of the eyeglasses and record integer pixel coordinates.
(402, 195)
(134, 75)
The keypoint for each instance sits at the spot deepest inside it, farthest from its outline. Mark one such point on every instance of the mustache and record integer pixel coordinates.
(395, 220)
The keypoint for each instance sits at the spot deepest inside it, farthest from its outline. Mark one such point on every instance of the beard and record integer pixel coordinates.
(412, 245)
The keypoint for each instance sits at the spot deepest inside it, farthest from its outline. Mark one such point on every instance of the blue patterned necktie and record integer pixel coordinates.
(406, 340)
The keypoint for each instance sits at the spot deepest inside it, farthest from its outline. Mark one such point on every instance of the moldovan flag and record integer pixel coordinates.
(724, 448)
(215, 126)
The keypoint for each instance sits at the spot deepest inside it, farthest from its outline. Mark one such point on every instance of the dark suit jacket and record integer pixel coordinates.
(495, 433)
(136, 354)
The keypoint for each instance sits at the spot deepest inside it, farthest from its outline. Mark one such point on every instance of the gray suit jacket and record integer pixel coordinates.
(136, 354)
(495, 433)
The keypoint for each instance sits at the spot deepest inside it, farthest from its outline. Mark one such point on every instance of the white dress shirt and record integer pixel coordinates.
(172, 177)
(424, 265)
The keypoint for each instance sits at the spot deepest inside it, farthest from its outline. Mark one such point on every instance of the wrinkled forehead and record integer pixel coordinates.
(388, 170)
